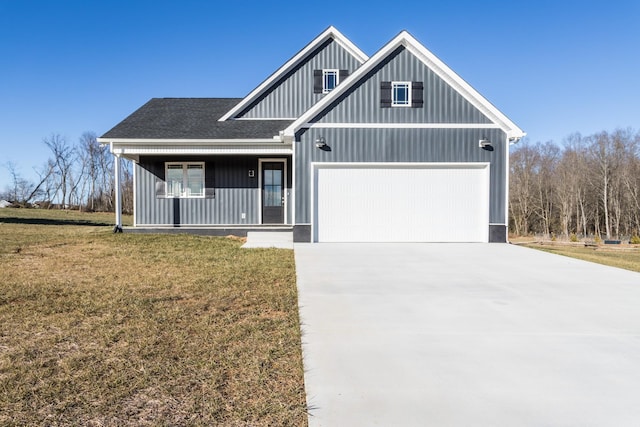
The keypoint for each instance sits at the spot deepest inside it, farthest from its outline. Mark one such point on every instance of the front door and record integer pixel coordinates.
(273, 192)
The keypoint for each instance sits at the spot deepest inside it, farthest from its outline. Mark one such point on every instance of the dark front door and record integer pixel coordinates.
(273, 193)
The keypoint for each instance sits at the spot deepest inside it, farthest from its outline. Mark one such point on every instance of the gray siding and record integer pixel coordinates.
(442, 104)
(234, 193)
(400, 145)
(293, 94)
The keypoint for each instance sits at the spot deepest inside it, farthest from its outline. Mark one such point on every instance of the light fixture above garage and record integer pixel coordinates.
(321, 143)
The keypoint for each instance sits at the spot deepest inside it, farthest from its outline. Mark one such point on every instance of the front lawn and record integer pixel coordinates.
(622, 256)
(111, 329)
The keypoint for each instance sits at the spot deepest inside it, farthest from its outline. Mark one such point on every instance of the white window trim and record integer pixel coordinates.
(393, 93)
(184, 194)
(324, 78)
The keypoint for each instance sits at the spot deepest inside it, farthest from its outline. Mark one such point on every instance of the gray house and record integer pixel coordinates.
(334, 145)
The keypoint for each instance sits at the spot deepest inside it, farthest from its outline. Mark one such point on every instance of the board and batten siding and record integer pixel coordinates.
(231, 193)
(401, 145)
(442, 104)
(293, 94)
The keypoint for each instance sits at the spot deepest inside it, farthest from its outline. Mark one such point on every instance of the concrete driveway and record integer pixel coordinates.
(466, 334)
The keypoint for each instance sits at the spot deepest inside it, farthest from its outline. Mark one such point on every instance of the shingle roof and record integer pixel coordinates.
(191, 118)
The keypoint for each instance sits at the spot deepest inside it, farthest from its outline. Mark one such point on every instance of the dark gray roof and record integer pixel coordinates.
(192, 118)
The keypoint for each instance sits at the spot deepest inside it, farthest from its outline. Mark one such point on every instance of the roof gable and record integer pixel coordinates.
(331, 34)
(404, 42)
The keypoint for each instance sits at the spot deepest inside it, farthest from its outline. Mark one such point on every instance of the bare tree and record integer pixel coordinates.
(63, 158)
(544, 200)
(20, 189)
(588, 185)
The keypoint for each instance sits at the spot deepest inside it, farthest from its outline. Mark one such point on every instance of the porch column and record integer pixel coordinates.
(118, 194)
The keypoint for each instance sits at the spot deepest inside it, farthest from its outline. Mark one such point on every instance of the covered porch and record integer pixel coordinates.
(207, 187)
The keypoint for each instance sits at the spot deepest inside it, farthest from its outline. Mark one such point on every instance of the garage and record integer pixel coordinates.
(400, 202)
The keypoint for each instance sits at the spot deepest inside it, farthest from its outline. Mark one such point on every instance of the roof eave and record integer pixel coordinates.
(191, 141)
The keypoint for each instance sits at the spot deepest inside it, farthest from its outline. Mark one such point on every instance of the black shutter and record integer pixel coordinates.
(209, 181)
(385, 94)
(417, 97)
(160, 184)
(317, 81)
(343, 75)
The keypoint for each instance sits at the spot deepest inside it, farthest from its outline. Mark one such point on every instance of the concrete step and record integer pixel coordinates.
(269, 239)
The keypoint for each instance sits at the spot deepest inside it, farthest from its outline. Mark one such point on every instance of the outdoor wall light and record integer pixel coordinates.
(484, 143)
(320, 142)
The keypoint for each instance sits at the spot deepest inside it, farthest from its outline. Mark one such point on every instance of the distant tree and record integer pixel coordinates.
(63, 158)
(588, 185)
(21, 190)
(523, 169)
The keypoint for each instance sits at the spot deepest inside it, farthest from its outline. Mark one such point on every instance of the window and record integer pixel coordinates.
(325, 80)
(329, 80)
(185, 179)
(401, 94)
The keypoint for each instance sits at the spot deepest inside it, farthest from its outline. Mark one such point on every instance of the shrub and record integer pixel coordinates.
(573, 238)
(635, 240)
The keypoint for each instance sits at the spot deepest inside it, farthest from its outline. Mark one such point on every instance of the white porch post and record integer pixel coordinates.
(118, 194)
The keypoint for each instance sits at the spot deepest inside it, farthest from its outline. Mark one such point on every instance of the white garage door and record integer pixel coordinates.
(401, 202)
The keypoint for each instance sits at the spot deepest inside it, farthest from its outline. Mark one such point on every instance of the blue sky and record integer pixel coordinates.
(68, 66)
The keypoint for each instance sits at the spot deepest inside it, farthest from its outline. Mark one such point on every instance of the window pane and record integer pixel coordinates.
(272, 187)
(174, 180)
(272, 195)
(195, 180)
(400, 94)
(330, 80)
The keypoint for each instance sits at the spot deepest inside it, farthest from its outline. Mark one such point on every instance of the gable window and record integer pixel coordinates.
(329, 80)
(184, 179)
(325, 80)
(401, 94)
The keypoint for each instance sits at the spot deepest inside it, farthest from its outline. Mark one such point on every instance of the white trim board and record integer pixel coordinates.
(201, 150)
(170, 141)
(401, 125)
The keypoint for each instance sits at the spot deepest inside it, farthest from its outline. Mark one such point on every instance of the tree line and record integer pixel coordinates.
(588, 186)
(76, 176)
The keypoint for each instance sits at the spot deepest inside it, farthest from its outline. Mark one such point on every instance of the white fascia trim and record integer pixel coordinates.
(439, 67)
(401, 125)
(129, 151)
(266, 118)
(400, 165)
(161, 141)
(330, 32)
(216, 226)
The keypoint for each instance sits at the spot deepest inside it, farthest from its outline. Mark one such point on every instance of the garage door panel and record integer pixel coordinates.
(391, 203)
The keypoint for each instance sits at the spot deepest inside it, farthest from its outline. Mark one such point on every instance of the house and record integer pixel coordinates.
(335, 146)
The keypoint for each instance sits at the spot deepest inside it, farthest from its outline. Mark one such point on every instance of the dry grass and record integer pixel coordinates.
(104, 330)
(622, 256)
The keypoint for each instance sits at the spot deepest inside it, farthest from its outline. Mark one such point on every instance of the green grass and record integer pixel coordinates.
(111, 329)
(627, 258)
